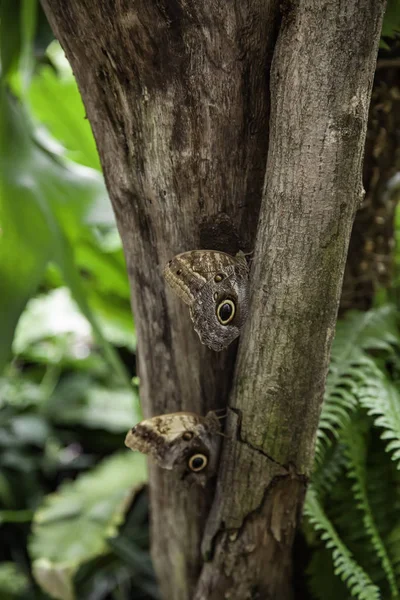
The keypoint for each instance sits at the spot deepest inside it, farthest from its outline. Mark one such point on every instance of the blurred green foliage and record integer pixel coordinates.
(352, 506)
(73, 510)
(391, 22)
(73, 506)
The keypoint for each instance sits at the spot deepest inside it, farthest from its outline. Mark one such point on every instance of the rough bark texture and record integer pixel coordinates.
(321, 83)
(178, 97)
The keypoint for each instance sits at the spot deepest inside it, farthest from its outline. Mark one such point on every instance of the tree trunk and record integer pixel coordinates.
(178, 97)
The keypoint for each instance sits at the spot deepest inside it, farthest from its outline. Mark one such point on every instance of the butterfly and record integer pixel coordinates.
(215, 286)
(183, 441)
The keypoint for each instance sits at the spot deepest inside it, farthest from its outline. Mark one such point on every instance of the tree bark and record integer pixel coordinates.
(321, 83)
(178, 97)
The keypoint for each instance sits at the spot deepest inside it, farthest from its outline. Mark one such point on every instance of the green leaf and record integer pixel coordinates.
(55, 101)
(42, 205)
(78, 400)
(50, 315)
(53, 331)
(10, 36)
(101, 258)
(34, 189)
(73, 524)
(28, 19)
(13, 582)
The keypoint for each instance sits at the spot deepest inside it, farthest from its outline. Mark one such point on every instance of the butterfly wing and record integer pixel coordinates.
(172, 439)
(187, 273)
(204, 310)
(156, 435)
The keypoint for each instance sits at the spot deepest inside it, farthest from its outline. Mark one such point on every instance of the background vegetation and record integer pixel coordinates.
(73, 503)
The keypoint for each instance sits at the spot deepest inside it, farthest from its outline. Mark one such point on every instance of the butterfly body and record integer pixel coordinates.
(215, 287)
(185, 442)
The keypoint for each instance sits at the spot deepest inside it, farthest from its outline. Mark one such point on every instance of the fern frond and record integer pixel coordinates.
(346, 512)
(322, 581)
(351, 573)
(351, 368)
(356, 451)
(325, 478)
(341, 509)
(394, 548)
(384, 494)
(375, 329)
(347, 376)
(382, 401)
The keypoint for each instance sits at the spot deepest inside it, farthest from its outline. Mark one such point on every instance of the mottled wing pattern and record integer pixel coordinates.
(187, 273)
(163, 438)
(146, 435)
(203, 311)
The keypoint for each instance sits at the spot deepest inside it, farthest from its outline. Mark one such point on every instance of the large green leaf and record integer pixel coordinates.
(55, 101)
(43, 202)
(73, 525)
(44, 199)
(53, 329)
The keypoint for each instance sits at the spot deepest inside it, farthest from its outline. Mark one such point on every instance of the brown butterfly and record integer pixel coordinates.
(183, 441)
(215, 286)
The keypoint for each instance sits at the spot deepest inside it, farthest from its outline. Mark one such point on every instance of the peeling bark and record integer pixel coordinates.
(178, 97)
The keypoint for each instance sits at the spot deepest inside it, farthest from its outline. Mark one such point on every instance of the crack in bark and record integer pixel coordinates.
(234, 542)
(240, 439)
(234, 532)
(217, 525)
